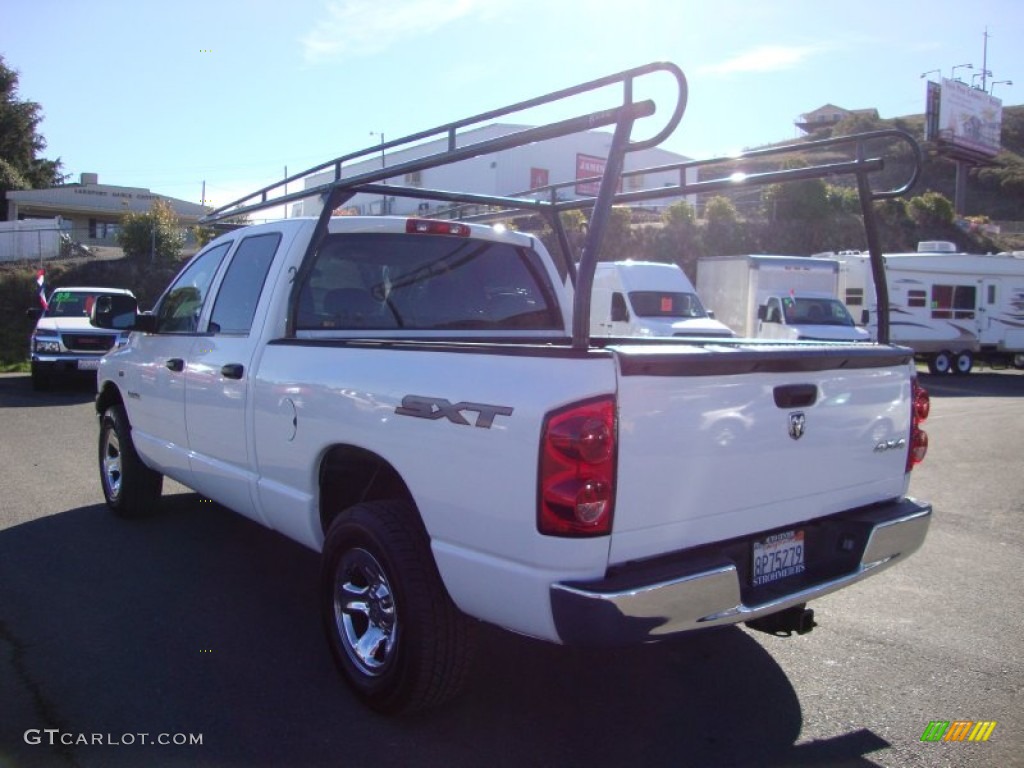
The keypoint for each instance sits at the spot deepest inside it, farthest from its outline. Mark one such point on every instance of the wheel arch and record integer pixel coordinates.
(109, 395)
(350, 475)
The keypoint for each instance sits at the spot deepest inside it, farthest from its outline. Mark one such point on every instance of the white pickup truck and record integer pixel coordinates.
(419, 400)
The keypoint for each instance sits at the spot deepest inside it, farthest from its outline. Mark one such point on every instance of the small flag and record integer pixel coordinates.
(41, 282)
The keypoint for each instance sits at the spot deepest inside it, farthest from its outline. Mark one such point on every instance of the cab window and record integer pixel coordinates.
(182, 304)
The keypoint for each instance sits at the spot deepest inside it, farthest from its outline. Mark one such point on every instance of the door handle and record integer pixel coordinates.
(232, 371)
(175, 364)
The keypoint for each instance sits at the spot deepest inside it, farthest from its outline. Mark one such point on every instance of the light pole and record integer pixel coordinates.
(931, 71)
(952, 72)
(383, 164)
(997, 82)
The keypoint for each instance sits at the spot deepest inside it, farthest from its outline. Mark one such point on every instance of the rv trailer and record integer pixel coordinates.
(951, 308)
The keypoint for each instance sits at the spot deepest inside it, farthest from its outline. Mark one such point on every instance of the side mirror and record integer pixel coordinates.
(118, 312)
(711, 314)
(865, 316)
(762, 312)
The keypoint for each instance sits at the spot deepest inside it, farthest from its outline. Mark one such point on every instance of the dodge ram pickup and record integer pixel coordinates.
(419, 400)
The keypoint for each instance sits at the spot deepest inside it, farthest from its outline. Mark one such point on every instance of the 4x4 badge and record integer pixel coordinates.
(796, 425)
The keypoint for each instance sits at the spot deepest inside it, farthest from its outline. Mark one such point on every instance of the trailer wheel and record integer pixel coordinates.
(1018, 361)
(941, 362)
(964, 362)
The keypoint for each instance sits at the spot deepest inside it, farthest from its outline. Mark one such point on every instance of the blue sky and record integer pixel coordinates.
(169, 95)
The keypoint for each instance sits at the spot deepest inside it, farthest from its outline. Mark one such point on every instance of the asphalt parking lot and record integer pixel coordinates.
(198, 622)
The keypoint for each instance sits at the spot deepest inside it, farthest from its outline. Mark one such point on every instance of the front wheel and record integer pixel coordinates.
(130, 488)
(395, 634)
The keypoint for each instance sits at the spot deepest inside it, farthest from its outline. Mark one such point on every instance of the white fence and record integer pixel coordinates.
(30, 240)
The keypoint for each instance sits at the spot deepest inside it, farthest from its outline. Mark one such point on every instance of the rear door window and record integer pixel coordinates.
(425, 282)
(240, 290)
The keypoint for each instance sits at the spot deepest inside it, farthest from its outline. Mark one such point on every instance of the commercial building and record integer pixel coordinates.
(90, 212)
(516, 171)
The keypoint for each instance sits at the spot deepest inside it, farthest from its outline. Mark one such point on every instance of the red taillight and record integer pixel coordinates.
(435, 227)
(920, 407)
(577, 470)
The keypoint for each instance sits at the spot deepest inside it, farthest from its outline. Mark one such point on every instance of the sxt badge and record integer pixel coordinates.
(434, 408)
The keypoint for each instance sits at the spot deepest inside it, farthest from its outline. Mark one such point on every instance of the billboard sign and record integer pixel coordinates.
(539, 178)
(588, 166)
(970, 118)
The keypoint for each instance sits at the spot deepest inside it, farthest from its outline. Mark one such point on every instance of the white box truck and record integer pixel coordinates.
(648, 298)
(777, 297)
(950, 308)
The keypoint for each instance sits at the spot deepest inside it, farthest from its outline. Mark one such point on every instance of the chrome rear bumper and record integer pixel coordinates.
(704, 588)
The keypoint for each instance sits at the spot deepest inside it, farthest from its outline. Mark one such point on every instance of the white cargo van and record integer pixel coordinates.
(648, 298)
(777, 297)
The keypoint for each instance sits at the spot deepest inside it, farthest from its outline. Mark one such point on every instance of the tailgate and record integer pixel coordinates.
(717, 442)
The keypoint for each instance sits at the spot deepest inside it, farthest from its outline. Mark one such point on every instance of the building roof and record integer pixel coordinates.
(95, 198)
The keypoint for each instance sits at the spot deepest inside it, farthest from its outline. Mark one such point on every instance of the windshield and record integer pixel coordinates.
(805, 311)
(70, 304)
(666, 304)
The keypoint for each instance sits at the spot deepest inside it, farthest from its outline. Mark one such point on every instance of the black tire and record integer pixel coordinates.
(40, 379)
(941, 362)
(964, 362)
(130, 488)
(395, 634)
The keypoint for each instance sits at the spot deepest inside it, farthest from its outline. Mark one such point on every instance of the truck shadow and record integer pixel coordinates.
(196, 621)
(978, 383)
(16, 391)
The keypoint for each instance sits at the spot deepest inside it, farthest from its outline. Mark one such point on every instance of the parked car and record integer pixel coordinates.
(63, 342)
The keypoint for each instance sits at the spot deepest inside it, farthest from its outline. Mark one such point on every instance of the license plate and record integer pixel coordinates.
(88, 365)
(777, 557)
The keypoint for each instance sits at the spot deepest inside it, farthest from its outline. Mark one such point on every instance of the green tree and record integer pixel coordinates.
(20, 142)
(931, 211)
(679, 239)
(723, 233)
(843, 199)
(154, 234)
(618, 242)
(797, 200)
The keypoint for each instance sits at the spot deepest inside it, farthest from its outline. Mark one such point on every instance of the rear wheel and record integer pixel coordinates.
(964, 362)
(130, 488)
(395, 634)
(941, 362)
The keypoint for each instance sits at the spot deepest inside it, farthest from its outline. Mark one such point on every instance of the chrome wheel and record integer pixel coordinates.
(364, 612)
(111, 460)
